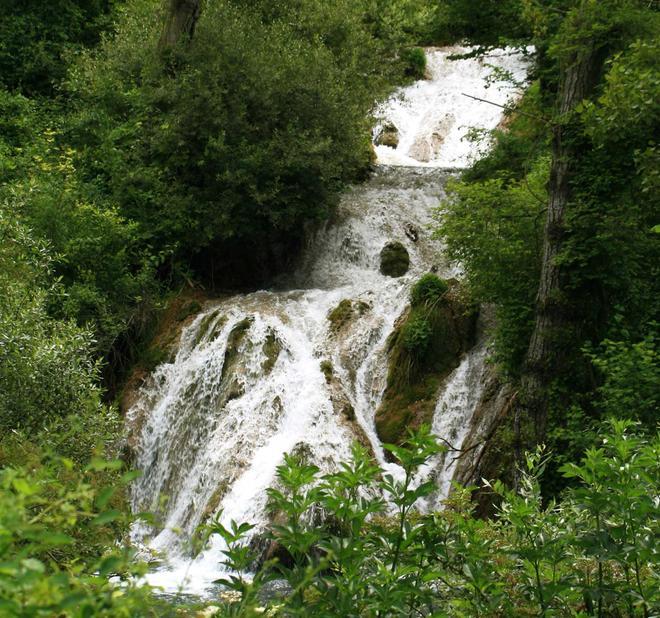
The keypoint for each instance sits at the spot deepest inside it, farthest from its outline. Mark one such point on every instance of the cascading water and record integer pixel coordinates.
(251, 378)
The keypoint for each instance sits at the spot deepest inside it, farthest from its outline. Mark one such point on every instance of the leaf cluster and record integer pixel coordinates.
(593, 552)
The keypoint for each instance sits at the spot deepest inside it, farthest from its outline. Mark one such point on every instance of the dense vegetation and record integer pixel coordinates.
(593, 553)
(603, 337)
(130, 168)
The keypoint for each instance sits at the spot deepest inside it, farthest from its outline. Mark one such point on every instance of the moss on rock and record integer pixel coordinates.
(326, 370)
(272, 348)
(210, 327)
(426, 345)
(346, 311)
(429, 289)
(231, 384)
(394, 260)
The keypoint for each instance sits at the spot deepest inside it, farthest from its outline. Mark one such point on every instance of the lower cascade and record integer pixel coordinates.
(304, 366)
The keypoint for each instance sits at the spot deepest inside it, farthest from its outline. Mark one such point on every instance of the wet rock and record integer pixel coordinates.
(394, 260)
(419, 366)
(426, 148)
(272, 348)
(346, 311)
(326, 370)
(236, 337)
(388, 136)
(348, 411)
(411, 232)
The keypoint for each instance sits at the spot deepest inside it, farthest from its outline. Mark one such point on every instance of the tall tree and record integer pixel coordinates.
(579, 71)
(180, 21)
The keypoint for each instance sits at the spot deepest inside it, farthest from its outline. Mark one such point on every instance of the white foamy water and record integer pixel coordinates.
(433, 117)
(247, 384)
(451, 421)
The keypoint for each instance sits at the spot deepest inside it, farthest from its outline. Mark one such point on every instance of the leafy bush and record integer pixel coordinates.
(45, 366)
(416, 335)
(237, 145)
(397, 23)
(54, 540)
(428, 290)
(493, 228)
(631, 375)
(593, 552)
(35, 37)
(488, 22)
(415, 60)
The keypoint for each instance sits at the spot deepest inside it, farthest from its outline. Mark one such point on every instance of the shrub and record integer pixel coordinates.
(232, 149)
(428, 290)
(594, 552)
(45, 366)
(415, 61)
(493, 228)
(54, 540)
(35, 37)
(416, 335)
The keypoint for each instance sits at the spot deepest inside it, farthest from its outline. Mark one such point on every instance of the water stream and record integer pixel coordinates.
(250, 378)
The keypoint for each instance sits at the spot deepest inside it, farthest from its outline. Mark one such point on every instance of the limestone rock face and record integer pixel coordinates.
(394, 260)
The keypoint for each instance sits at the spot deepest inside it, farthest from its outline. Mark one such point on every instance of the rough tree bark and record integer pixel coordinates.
(578, 80)
(180, 21)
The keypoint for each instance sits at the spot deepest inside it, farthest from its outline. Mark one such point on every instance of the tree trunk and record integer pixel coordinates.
(180, 21)
(544, 354)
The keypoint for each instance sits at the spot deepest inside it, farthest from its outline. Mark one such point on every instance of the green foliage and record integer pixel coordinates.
(244, 139)
(594, 552)
(398, 23)
(516, 146)
(617, 523)
(493, 229)
(17, 117)
(45, 367)
(428, 290)
(416, 335)
(415, 60)
(108, 279)
(487, 22)
(54, 531)
(609, 252)
(36, 36)
(631, 375)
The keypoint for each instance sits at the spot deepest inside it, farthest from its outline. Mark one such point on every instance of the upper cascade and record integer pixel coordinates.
(304, 367)
(429, 123)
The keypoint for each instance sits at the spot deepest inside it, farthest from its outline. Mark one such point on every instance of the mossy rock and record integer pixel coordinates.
(272, 348)
(210, 327)
(426, 345)
(429, 289)
(346, 311)
(394, 260)
(231, 384)
(234, 341)
(341, 314)
(348, 411)
(326, 370)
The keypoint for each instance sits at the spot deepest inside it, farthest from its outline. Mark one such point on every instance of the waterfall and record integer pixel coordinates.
(257, 375)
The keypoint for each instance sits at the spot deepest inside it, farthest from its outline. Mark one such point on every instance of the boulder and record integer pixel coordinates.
(427, 344)
(388, 136)
(394, 260)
